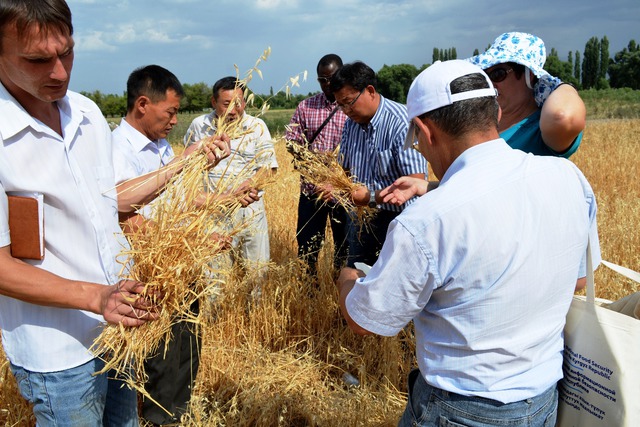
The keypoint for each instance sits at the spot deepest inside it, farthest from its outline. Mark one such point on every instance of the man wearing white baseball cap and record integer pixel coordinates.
(485, 265)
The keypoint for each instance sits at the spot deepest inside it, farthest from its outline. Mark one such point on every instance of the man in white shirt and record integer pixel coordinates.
(251, 154)
(485, 265)
(57, 143)
(141, 151)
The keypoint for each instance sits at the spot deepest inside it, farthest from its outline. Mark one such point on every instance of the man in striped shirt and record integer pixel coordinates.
(318, 123)
(372, 152)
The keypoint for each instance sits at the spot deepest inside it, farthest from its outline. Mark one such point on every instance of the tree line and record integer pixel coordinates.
(594, 69)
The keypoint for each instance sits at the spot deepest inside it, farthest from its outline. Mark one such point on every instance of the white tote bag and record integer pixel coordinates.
(601, 384)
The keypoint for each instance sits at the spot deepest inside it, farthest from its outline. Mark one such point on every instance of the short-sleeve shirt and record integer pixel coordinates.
(81, 231)
(526, 136)
(249, 153)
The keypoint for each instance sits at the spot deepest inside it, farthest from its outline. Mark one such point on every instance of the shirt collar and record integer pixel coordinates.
(15, 118)
(474, 155)
(139, 141)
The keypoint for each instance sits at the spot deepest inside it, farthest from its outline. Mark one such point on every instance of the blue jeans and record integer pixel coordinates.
(430, 406)
(76, 397)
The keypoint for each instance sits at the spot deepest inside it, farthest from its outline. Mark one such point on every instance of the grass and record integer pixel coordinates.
(280, 363)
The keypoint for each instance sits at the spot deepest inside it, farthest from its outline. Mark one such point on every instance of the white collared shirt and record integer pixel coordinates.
(135, 154)
(82, 234)
(248, 153)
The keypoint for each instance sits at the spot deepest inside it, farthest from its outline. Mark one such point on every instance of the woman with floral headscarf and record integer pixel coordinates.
(540, 114)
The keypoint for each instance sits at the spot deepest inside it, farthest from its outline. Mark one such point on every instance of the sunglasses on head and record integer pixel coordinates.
(499, 74)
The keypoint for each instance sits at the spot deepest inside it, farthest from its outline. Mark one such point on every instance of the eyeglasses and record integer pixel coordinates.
(324, 80)
(414, 139)
(349, 105)
(499, 74)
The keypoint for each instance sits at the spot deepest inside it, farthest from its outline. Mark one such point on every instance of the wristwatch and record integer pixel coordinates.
(372, 198)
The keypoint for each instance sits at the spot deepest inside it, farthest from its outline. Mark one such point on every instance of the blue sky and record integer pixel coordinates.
(201, 41)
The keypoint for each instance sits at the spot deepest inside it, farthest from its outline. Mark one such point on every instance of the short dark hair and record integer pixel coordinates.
(356, 74)
(329, 59)
(225, 83)
(151, 81)
(48, 15)
(463, 117)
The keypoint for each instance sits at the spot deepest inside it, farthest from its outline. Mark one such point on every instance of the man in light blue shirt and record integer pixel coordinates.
(485, 265)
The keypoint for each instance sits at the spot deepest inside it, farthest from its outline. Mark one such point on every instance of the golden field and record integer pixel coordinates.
(280, 363)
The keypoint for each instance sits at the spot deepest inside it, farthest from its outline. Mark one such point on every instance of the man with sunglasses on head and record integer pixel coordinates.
(317, 124)
(540, 114)
(372, 152)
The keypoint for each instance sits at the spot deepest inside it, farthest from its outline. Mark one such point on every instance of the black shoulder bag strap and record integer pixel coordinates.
(317, 132)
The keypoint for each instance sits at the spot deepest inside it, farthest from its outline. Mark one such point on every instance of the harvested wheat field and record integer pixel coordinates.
(281, 361)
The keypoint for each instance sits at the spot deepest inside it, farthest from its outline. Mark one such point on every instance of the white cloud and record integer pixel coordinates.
(273, 4)
(93, 41)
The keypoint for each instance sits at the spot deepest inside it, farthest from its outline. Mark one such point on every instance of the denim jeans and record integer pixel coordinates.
(430, 406)
(76, 397)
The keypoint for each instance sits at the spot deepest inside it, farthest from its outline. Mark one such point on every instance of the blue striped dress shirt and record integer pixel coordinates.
(374, 153)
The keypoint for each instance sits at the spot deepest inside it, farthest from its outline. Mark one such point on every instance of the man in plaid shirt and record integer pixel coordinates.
(318, 123)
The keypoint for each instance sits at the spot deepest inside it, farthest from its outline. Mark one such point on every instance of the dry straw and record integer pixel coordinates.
(325, 170)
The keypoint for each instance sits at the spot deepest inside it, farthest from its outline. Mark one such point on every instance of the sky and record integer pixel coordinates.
(202, 41)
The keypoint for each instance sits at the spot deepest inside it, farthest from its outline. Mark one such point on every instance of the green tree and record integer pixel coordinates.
(436, 55)
(577, 69)
(624, 69)
(604, 58)
(591, 63)
(476, 52)
(394, 81)
(197, 97)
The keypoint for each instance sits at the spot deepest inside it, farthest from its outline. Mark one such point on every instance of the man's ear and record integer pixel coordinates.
(142, 103)
(213, 102)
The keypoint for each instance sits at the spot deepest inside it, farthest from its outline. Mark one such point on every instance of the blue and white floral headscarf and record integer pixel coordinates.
(525, 49)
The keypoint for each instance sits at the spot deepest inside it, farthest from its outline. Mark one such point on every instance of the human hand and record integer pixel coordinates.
(125, 303)
(325, 191)
(360, 195)
(215, 147)
(403, 189)
(223, 240)
(246, 194)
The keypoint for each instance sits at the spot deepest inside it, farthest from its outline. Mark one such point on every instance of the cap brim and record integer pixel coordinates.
(408, 140)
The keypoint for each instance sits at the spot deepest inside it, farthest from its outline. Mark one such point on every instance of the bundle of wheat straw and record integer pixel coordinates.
(324, 169)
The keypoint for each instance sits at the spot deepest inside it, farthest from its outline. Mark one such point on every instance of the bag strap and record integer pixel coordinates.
(591, 287)
(626, 272)
(317, 132)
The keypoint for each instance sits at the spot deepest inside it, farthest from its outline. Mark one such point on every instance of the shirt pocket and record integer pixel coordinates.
(105, 177)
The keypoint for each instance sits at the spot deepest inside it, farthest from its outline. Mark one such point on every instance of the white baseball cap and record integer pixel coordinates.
(432, 90)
